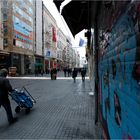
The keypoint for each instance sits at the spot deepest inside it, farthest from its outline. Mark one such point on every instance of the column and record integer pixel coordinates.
(22, 65)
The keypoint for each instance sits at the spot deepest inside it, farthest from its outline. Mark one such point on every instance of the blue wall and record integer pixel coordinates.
(119, 76)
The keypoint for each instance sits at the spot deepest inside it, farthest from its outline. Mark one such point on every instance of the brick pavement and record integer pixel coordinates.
(64, 110)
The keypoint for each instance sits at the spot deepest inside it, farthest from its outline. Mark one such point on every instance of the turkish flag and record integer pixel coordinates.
(54, 34)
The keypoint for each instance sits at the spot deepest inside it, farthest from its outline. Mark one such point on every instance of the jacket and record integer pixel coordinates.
(74, 74)
(5, 88)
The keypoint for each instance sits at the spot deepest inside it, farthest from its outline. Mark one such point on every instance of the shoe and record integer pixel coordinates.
(13, 120)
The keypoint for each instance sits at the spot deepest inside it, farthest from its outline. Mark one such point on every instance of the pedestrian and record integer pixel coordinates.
(74, 74)
(68, 72)
(42, 72)
(83, 74)
(54, 73)
(5, 88)
(36, 72)
(65, 72)
(46, 70)
(51, 72)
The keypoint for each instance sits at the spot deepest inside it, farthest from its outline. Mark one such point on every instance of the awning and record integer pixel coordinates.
(78, 14)
(58, 3)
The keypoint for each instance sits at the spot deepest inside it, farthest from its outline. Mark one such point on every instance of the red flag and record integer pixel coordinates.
(54, 34)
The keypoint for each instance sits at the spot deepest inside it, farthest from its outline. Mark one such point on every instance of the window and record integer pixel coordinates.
(5, 42)
(4, 3)
(5, 17)
(31, 1)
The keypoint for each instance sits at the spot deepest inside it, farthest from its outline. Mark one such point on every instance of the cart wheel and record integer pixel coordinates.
(17, 109)
(27, 110)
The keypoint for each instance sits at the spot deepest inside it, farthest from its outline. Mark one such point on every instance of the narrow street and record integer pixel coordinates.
(63, 110)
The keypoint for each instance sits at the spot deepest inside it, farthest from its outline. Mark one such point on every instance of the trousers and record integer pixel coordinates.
(8, 110)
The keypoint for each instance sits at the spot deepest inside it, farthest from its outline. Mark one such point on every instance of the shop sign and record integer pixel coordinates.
(48, 53)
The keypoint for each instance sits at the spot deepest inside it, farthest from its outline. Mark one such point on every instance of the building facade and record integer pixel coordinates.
(50, 42)
(18, 34)
(38, 36)
(61, 44)
(2, 53)
(68, 49)
(1, 28)
(77, 60)
(30, 38)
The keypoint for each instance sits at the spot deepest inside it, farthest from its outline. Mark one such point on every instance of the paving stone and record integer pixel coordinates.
(64, 110)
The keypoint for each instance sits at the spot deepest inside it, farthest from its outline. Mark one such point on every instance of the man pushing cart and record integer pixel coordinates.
(21, 96)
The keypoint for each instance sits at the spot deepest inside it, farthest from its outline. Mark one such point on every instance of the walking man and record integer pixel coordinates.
(5, 88)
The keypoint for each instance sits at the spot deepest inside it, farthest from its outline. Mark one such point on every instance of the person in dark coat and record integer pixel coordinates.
(54, 73)
(51, 73)
(69, 72)
(74, 74)
(83, 74)
(5, 88)
(42, 72)
(65, 72)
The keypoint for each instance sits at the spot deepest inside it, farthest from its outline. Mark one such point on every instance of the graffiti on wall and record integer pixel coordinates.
(119, 75)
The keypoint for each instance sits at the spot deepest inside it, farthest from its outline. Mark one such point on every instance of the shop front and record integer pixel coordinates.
(39, 63)
(28, 64)
(4, 60)
(16, 62)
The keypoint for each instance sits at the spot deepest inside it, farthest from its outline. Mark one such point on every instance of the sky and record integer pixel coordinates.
(62, 24)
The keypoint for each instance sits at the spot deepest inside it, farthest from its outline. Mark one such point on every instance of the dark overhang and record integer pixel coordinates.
(58, 3)
(78, 14)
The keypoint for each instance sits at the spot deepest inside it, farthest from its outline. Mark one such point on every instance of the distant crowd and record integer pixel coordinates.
(68, 72)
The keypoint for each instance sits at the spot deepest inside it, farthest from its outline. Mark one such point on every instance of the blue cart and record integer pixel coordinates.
(23, 98)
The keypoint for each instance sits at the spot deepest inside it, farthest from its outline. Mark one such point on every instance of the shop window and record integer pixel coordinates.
(5, 42)
(14, 42)
(5, 17)
(5, 30)
(5, 3)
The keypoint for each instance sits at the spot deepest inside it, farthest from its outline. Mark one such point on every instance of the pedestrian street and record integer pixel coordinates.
(63, 110)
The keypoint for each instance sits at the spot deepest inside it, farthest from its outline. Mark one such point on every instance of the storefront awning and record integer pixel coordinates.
(58, 3)
(78, 14)
(38, 64)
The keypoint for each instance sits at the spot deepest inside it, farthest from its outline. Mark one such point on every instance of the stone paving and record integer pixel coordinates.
(64, 110)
